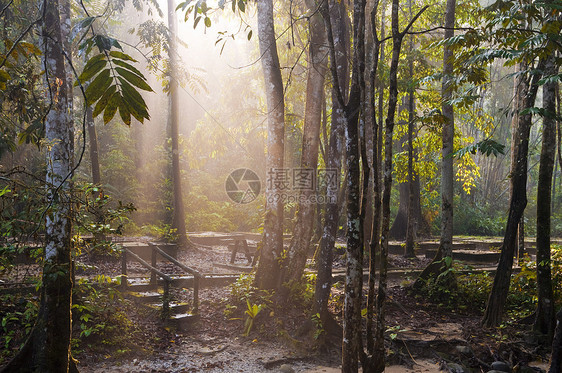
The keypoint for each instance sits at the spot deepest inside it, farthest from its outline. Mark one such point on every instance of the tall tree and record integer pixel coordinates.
(378, 362)
(377, 58)
(317, 66)
(545, 320)
(178, 219)
(340, 31)
(518, 200)
(48, 347)
(438, 265)
(268, 272)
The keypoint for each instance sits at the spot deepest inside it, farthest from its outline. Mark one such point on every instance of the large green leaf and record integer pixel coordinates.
(127, 66)
(122, 56)
(90, 70)
(111, 107)
(135, 101)
(134, 79)
(102, 103)
(125, 112)
(98, 86)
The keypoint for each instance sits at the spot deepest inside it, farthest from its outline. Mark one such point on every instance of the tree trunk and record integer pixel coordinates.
(411, 226)
(556, 357)
(377, 363)
(48, 347)
(340, 32)
(317, 65)
(374, 246)
(399, 228)
(378, 348)
(447, 174)
(518, 200)
(445, 249)
(178, 219)
(352, 336)
(545, 320)
(94, 148)
(268, 272)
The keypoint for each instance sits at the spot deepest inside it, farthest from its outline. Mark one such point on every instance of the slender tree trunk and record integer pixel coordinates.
(397, 37)
(447, 175)
(378, 362)
(374, 246)
(340, 33)
(556, 357)
(94, 148)
(521, 237)
(518, 201)
(178, 219)
(317, 66)
(268, 272)
(352, 336)
(411, 228)
(48, 347)
(545, 320)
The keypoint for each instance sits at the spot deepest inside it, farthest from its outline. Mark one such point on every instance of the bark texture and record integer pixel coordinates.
(268, 272)
(317, 66)
(445, 249)
(545, 320)
(340, 34)
(178, 219)
(518, 200)
(556, 357)
(48, 347)
(374, 245)
(94, 148)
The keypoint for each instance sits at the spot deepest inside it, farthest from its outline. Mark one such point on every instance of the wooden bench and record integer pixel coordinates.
(240, 244)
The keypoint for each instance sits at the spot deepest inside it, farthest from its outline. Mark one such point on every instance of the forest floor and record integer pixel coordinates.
(422, 335)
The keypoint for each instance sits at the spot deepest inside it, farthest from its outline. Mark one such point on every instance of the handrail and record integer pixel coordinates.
(196, 275)
(175, 261)
(145, 264)
(154, 271)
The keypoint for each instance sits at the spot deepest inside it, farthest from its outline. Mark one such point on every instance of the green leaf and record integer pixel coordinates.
(102, 103)
(134, 99)
(125, 112)
(207, 22)
(122, 56)
(98, 86)
(134, 79)
(102, 42)
(196, 21)
(487, 147)
(250, 35)
(111, 107)
(127, 66)
(83, 24)
(241, 5)
(4, 76)
(90, 70)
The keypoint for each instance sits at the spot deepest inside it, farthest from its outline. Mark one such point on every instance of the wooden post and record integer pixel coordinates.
(234, 251)
(153, 263)
(124, 281)
(195, 294)
(166, 300)
(247, 251)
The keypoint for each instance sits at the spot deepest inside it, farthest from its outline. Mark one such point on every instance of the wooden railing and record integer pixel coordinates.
(155, 273)
(196, 275)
